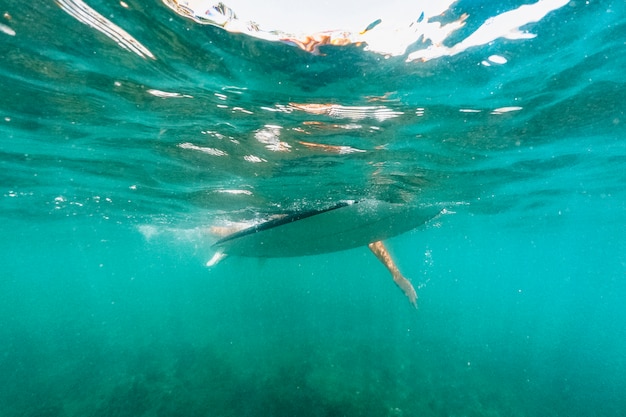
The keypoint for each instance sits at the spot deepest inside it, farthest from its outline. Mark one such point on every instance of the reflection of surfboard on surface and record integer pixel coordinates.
(343, 226)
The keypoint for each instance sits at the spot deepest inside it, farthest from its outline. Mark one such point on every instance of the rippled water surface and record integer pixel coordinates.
(131, 130)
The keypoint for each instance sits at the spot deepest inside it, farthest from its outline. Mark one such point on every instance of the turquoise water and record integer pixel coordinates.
(108, 187)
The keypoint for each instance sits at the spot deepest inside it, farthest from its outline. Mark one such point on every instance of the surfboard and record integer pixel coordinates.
(342, 226)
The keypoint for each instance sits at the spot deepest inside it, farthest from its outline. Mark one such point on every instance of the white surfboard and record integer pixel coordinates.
(343, 226)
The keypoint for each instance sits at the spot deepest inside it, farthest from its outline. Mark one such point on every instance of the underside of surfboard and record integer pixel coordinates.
(342, 226)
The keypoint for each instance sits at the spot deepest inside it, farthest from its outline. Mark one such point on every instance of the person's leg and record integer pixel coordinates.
(405, 285)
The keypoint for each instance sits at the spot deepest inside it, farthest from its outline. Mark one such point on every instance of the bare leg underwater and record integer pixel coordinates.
(379, 249)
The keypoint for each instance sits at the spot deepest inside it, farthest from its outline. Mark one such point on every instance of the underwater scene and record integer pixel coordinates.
(238, 208)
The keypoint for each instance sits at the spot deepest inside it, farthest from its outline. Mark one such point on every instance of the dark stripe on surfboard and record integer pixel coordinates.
(290, 218)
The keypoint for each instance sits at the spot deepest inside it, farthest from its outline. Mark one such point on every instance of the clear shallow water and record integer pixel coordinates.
(108, 185)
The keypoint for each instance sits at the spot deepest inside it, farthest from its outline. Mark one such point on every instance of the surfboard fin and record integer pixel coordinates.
(218, 256)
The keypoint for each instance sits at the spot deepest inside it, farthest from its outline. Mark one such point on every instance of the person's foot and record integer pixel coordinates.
(406, 287)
